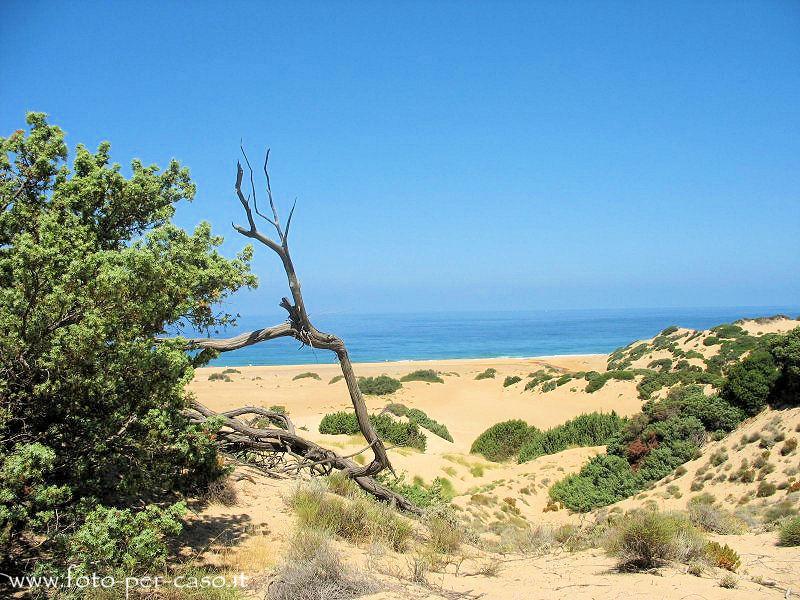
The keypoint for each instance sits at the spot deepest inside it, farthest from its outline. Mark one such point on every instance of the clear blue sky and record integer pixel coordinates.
(455, 155)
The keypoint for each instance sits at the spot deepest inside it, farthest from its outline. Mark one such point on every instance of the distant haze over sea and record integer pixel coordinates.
(432, 336)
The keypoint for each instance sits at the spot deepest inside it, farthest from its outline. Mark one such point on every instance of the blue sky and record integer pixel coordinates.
(455, 155)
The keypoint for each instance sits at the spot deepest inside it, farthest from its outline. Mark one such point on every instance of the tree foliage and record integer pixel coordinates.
(92, 270)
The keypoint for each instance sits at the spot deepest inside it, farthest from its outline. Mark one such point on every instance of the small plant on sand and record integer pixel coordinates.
(355, 518)
(428, 375)
(378, 386)
(218, 377)
(511, 380)
(647, 539)
(790, 533)
(765, 488)
(487, 374)
(313, 570)
(230, 371)
(335, 379)
(728, 581)
(722, 556)
(789, 446)
(306, 375)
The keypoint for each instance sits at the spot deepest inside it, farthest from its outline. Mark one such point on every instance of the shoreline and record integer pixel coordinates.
(408, 362)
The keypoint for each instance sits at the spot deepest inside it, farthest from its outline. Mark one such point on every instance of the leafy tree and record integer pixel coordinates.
(92, 271)
(750, 382)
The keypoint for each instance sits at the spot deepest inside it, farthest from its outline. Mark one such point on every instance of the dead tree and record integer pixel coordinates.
(280, 451)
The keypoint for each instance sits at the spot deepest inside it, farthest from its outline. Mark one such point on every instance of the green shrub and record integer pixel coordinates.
(415, 492)
(378, 386)
(591, 429)
(511, 380)
(388, 429)
(230, 371)
(503, 440)
(600, 380)
(96, 547)
(357, 518)
(605, 479)
(487, 374)
(336, 378)
(218, 377)
(790, 533)
(92, 271)
(397, 409)
(420, 418)
(428, 375)
(647, 539)
(669, 330)
(750, 382)
(306, 375)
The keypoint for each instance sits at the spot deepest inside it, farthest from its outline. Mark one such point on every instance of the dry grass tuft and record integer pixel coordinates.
(356, 517)
(312, 570)
(222, 491)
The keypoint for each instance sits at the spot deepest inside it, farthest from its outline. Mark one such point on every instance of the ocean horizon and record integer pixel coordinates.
(385, 337)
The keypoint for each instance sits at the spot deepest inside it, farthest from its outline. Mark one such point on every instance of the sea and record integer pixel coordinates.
(519, 334)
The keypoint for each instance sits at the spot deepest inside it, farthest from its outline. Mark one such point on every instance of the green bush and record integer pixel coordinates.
(420, 418)
(790, 533)
(511, 380)
(218, 377)
(605, 479)
(591, 429)
(416, 492)
(230, 371)
(388, 429)
(306, 375)
(502, 440)
(428, 375)
(751, 381)
(92, 271)
(96, 545)
(647, 539)
(487, 374)
(335, 378)
(397, 409)
(378, 386)
(600, 380)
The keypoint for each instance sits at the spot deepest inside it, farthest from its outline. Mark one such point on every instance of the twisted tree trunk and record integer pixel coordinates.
(239, 437)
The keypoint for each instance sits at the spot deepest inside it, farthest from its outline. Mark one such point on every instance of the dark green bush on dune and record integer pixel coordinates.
(387, 428)
(487, 374)
(593, 429)
(502, 441)
(378, 386)
(511, 380)
(428, 375)
(605, 479)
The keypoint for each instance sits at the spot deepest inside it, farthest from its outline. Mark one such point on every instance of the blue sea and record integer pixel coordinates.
(425, 336)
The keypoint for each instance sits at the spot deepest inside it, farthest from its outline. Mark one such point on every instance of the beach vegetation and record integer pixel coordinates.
(335, 379)
(646, 539)
(388, 429)
(306, 375)
(598, 381)
(502, 440)
(489, 373)
(789, 534)
(593, 429)
(218, 377)
(381, 385)
(427, 375)
(95, 442)
(511, 380)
